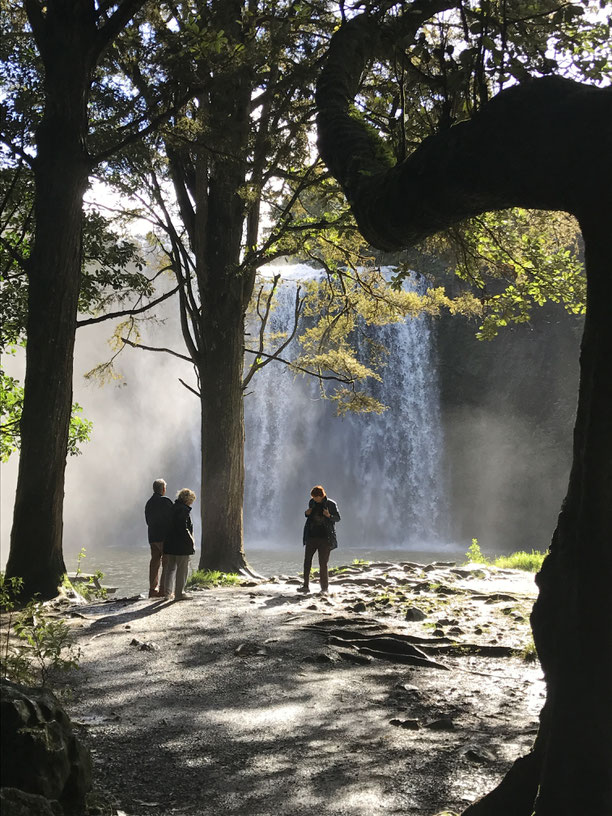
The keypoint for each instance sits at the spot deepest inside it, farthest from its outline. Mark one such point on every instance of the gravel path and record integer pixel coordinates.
(230, 704)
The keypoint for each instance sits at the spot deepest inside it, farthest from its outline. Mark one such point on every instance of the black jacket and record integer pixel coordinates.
(328, 523)
(158, 514)
(179, 539)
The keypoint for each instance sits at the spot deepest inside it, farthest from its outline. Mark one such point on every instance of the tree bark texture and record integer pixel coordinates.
(61, 172)
(545, 144)
(216, 173)
(70, 40)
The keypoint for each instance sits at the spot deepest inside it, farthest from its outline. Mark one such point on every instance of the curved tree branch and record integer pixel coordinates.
(545, 144)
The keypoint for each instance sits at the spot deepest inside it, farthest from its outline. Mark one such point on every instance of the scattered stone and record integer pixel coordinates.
(407, 687)
(438, 633)
(411, 725)
(40, 753)
(355, 657)
(250, 649)
(359, 607)
(142, 646)
(455, 630)
(479, 755)
(478, 630)
(413, 613)
(443, 724)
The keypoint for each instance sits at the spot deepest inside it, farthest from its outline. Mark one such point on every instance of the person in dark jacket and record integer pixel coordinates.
(319, 535)
(158, 513)
(179, 546)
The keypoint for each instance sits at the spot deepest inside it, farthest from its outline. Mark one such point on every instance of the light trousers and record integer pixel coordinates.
(175, 573)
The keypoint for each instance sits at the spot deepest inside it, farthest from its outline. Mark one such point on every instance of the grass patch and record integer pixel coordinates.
(212, 578)
(529, 562)
(529, 653)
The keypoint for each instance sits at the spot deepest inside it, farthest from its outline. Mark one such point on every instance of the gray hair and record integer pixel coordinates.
(159, 485)
(186, 495)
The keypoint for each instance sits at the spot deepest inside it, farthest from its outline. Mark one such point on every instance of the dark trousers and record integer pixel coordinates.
(320, 545)
(158, 559)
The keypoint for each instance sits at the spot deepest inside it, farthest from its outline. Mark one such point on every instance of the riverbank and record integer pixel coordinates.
(405, 691)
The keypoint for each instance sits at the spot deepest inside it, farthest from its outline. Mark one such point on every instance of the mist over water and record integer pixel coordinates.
(409, 485)
(385, 471)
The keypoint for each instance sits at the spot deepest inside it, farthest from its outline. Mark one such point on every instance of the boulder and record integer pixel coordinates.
(40, 753)
(15, 802)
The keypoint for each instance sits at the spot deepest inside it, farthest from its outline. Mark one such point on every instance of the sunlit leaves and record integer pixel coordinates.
(518, 259)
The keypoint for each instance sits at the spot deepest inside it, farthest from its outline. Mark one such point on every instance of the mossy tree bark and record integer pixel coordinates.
(545, 144)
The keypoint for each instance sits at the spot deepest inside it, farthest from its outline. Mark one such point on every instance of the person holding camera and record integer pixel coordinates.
(319, 535)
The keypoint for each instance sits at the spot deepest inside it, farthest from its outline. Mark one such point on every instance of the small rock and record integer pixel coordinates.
(142, 646)
(413, 613)
(248, 649)
(477, 630)
(411, 725)
(480, 755)
(455, 630)
(355, 657)
(443, 724)
(359, 607)
(406, 687)
(438, 633)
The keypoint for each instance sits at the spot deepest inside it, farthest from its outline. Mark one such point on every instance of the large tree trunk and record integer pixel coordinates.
(546, 144)
(61, 171)
(572, 618)
(225, 290)
(70, 38)
(569, 771)
(223, 443)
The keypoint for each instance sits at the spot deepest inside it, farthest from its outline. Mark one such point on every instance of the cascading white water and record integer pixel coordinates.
(384, 470)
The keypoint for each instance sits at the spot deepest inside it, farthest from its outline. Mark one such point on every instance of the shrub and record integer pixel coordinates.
(34, 644)
(530, 562)
(474, 554)
(88, 586)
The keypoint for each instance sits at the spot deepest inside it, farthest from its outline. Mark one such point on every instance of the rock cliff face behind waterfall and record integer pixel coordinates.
(384, 470)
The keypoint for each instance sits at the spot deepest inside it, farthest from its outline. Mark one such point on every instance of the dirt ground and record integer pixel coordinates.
(238, 701)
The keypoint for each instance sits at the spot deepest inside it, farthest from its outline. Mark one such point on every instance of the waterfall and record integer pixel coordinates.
(384, 470)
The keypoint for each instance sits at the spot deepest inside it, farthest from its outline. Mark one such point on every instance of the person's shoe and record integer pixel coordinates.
(154, 593)
(325, 592)
(303, 589)
(183, 598)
